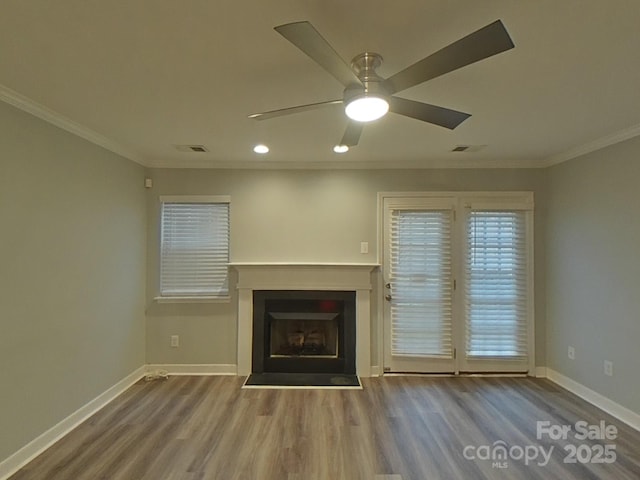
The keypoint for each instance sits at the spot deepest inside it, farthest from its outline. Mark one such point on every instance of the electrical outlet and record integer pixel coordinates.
(571, 353)
(175, 340)
(364, 247)
(608, 368)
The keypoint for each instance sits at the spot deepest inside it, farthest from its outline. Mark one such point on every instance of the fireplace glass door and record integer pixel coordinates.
(304, 334)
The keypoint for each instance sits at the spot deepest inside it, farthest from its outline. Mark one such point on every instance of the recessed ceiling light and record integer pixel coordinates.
(261, 148)
(341, 148)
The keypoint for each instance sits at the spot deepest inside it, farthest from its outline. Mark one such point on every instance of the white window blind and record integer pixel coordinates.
(496, 285)
(194, 249)
(420, 278)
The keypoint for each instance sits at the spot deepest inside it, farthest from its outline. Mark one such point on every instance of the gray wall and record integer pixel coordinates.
(593, 271)
(72, 278)
(298, 216)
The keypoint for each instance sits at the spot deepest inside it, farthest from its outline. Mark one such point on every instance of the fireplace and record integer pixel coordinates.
(317, 277)
(302, 331)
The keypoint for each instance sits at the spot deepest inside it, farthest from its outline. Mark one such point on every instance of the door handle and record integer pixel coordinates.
(388, 298)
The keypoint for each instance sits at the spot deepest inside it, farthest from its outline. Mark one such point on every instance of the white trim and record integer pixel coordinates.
(456, 375)
(531, 290)
(193, 299)
(301, 264)
(363, 332)
(394, 164)
(195, 198)
(597, 144)
(540, 372)
(25, 104)
(12, 464)
(623, 414)
(522, 198)
(296, 286)
(194, 369)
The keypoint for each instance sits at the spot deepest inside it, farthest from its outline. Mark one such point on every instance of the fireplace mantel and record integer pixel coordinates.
(304, 276)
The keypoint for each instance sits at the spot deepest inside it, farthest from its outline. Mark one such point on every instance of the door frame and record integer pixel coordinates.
(432, 364)
(505, 199)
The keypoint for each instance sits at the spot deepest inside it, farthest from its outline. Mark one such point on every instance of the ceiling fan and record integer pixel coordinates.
(367, 96)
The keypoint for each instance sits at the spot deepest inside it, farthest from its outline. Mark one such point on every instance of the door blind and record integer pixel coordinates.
(496, 285)
(194, 249)
(420, 280)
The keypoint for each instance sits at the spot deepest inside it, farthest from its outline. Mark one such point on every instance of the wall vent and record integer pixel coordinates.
(191, 148)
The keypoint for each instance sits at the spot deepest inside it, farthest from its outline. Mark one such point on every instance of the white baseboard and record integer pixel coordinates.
(195, 369)
(541, 372)
(12, 464)
(614, 409)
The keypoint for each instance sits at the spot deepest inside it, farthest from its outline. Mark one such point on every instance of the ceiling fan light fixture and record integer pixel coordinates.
(366, 108)
(261, 149)
(341, 149)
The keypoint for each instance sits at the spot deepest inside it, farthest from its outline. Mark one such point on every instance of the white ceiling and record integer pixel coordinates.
(140, 76)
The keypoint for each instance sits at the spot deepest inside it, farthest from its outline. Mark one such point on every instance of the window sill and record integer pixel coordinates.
(201, 299)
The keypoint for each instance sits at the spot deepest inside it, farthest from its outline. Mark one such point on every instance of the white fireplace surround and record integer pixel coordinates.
(305, 276)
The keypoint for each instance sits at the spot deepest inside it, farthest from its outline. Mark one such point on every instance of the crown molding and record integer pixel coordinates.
(593, 146)
(25, 104)
(348, 165)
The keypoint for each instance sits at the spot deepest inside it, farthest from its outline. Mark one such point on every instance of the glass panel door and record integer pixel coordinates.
(419, 287)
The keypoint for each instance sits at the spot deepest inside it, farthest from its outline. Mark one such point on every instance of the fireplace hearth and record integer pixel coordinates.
(299, 331)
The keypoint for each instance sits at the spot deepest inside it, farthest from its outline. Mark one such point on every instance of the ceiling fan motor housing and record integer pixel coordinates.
(364, 65)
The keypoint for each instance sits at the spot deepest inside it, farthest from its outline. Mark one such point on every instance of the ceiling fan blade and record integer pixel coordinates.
(352, 134)
(290, 110)
(484, 43)
(304, 36)
(441, 116)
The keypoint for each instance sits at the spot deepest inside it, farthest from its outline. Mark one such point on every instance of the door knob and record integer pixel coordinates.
(387, 298)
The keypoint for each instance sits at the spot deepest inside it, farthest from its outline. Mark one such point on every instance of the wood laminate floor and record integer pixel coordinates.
(397, 428)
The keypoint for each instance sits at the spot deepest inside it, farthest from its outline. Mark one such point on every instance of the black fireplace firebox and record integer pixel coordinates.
(300, 331)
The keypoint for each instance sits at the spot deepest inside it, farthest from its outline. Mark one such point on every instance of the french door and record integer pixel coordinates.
(457, 283)
(419, 285)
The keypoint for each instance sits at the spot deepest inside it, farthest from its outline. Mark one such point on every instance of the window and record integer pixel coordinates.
(194, 247)
(496, 281)
(422, 277)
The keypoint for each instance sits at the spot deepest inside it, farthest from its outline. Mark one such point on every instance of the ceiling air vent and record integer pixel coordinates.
(468, 148)
(191, 148)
